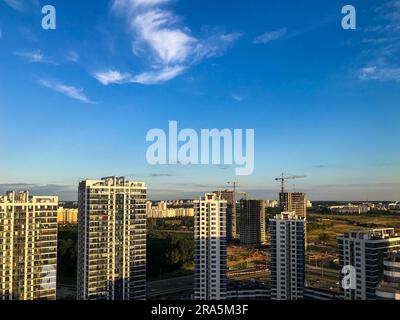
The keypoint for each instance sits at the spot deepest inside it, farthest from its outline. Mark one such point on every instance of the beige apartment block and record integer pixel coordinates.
(111, 239)
(28, 243)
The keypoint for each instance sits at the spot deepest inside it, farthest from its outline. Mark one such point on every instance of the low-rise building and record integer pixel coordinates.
(350, 209)
(162, 211)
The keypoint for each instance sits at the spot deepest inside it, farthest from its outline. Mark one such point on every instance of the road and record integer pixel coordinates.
(328, 273)
(182, 286)
(168, 287)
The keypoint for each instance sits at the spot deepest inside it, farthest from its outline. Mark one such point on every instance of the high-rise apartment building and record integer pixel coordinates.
(287, 256)
(293, 201)
(365, 251)
(111, 239)
(28, 247)
(389, 287)
(210, 248)
(252, 222)
(231, 213)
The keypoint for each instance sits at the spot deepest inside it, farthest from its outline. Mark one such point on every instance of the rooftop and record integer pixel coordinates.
(371, 234)
(24, 197)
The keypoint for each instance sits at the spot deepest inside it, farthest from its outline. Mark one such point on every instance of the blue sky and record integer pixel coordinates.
(78, 101)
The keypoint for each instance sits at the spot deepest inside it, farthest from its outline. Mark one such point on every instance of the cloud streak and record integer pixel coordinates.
(270, 36)
(70, 91)
(380, 73)
(72, 56)
(15, 4)
(34, 56)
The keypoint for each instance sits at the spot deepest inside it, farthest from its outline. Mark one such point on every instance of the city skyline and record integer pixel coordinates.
(117, 240)
(96, 85)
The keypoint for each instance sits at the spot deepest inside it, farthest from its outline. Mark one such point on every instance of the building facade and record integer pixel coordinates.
(365, 251)
(287, 250)
(252, 222)
(210, 248)
(28, 247)
(389, 287)
(231, 213)
(293, 201)
(111, 240)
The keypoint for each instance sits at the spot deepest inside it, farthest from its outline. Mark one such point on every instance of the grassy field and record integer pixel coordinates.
(324, 229)
(246, 257)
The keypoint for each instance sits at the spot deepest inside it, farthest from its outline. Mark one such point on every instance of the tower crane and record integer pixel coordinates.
(283, 179)
(235, 184)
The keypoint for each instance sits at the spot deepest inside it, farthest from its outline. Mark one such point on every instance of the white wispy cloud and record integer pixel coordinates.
(170, 44)
(382, 63)
(149, 77)
(131, 4)
(72, 56)
(237, 97)
(215, 45)
(112, 76)
(70, 91)
(270, 36)
(34, 56)
(153, 77)
(15, 4)
(380, 73)
(160, 39)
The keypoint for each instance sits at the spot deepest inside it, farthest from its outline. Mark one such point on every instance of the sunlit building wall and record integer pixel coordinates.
(210, 248)
(112, 240)
(28, 243)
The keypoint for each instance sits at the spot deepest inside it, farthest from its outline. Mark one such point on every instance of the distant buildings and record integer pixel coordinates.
(66, 216)
(350, 209)
(252, 222)
(389, 287)
(271, 203)
(378, 207)
(210, 248)
(365, 251)
(161, 211)
(287, 256)
(111, 240)
(394, 206)
(293, 201)
(179, 203)
(28, 243)
(366, 207)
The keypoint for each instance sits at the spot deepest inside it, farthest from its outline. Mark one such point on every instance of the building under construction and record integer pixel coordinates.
(252, 222)
(293, 201)
(231, 216)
